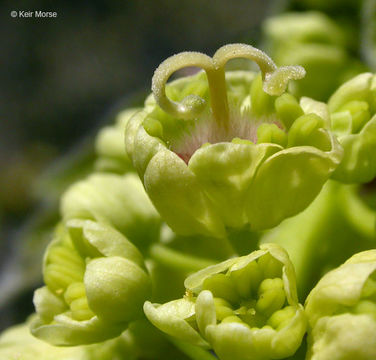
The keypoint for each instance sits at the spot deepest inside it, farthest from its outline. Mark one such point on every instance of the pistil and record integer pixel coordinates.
(275, 80)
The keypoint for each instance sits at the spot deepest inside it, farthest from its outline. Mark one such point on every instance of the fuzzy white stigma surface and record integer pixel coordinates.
(241, 127)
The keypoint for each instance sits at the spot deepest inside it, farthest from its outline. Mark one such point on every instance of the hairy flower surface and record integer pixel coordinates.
(243, 308)
(353, 118)
(252, 158)
(341, 311)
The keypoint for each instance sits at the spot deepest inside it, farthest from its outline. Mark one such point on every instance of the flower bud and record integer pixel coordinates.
(96, 283)
(119, 201)
(252, 158)
(242, 308)
(313, 40)
(352, 110)
(109, 145)
(341, 311)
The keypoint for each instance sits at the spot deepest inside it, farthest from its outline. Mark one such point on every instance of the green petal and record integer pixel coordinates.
(238, 342)
(225, 171)
(205, 310)
(171, 319)
(195, 281)
(287, 182)
(65, 331)
(144, 145)
(106, 240)
(18, 343)
(179, 197)
(116, 288)
(359, 163)
(319, 108)
(288, 339)
(288, 272)
(47, 304)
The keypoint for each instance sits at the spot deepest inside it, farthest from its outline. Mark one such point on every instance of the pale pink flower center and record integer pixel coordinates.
(209, 131)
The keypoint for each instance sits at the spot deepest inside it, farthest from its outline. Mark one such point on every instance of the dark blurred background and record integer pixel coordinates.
(63, 77)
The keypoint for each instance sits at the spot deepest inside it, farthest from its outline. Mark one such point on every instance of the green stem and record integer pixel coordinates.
(323, 236)
(178, 260)
(361, 217)
(244, 241)
(227, 247)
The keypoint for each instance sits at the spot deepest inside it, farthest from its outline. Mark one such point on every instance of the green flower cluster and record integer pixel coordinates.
(220, 156)
(218, 153)
(243, 308)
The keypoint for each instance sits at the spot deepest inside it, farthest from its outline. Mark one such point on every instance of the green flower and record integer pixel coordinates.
(341, 311)
(315, 41)
(353, 119)
(109, 145)
(119, 201)
(253, 158)
(96, 283)
(243, 308)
